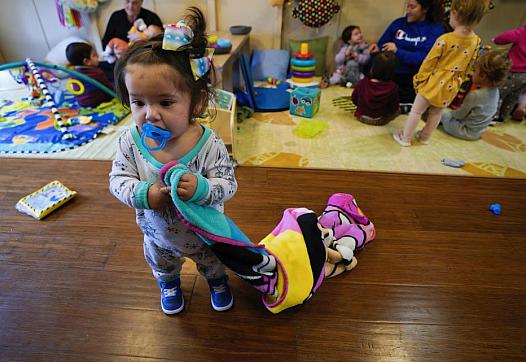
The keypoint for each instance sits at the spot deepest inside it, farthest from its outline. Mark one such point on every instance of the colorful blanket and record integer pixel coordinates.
(26, 127)
(287, 266)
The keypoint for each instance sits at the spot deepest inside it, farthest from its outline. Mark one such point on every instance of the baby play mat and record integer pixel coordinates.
(25, 128)
(279, 140)
(51, 122)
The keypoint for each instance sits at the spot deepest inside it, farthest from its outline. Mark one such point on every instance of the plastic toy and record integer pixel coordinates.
(310, 128)
(270, 99)
(305, 102)
(273, 81)
(495, 208)
(221, 45)
(303, 65)
(453, 163)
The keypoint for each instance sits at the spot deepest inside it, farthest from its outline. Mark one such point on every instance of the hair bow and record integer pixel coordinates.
(177, 37)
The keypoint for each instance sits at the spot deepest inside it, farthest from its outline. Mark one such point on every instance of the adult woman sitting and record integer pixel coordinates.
(118, 34)
(411, 37)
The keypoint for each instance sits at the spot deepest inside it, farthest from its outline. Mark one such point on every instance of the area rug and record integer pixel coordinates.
(271, 139)
(26, 127)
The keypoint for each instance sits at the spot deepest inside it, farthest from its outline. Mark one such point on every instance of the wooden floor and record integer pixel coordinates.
(443, 281)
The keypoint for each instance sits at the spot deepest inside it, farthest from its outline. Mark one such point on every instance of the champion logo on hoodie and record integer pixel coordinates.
(402, 35)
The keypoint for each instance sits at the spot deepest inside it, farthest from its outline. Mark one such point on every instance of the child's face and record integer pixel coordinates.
(356, 36)
(154, 98)
(93, 59)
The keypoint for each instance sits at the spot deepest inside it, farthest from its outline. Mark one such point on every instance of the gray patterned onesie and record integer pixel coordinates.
(166, 239)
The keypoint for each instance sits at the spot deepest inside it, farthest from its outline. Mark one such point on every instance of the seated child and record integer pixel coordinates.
(351, 58)
(85, 60)
(474, 116)
(376, 96)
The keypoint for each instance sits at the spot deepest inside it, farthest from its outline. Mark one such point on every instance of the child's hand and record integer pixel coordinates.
(390, 47)
(373, 48)
(348, 52)
(159, 197)
(187, 186)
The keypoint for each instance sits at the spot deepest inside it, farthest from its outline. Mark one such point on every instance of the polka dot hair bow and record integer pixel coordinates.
(177, 37)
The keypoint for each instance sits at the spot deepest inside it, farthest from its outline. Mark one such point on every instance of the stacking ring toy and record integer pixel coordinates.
(303, 56)
(302, 74)
(303, 62)
(301, 80)
(70, 85)
(303, 69)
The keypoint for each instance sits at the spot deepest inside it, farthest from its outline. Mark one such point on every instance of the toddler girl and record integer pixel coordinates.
(351, 58)
(441, 74)
(376, 96)
(474, 116)
(165, 82)
(85, 60)
(515, 83)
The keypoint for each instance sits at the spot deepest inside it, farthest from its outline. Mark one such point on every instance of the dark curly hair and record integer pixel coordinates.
(150, 52)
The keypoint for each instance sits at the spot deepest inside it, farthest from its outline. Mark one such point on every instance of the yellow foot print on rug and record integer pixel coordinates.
(276, 159)
(281, 118)
(344, 103)
(492, 169)
(498, 138)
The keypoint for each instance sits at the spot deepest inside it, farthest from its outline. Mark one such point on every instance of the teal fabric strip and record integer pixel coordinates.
(141, 195)
(202, 189)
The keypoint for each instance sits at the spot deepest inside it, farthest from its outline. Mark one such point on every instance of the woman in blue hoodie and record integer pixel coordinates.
(411, 38)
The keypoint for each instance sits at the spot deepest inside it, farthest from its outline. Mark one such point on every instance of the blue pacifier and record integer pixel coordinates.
(159, 135)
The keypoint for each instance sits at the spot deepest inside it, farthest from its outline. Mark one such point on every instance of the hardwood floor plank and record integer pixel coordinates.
(444, 280)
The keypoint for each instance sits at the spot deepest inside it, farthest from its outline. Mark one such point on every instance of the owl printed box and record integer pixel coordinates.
(305, 102)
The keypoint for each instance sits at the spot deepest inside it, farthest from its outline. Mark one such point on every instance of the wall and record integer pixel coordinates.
(374, 16)
(31, 27)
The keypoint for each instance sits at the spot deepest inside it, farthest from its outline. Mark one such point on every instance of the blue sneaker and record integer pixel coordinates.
(172, 301)
(220, 294)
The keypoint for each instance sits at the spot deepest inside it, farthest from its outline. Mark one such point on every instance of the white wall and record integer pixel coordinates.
(31, 27)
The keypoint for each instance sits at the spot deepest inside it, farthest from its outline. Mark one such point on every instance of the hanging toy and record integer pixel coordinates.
(315, 13)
